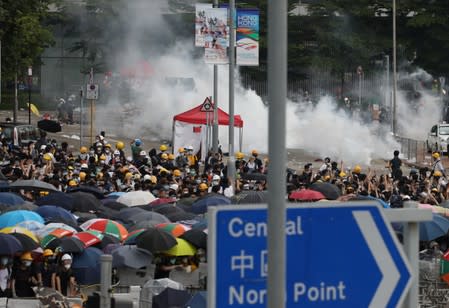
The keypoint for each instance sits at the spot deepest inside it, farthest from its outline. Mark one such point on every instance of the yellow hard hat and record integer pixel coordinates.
(436, 155)
(254, 152)
(437, 174)
(176, 172)
(327, 177)
(43, 193)
(102, 157)
(48, 252)
(26, 256)
(171, 157)
(153, 179)
(181, 150)
(202, 187)
(108, 145)
(357, 169)
(99, 175)
(164, 156)
(83, 150)
(47, 157)
(72, 183)
(342, 174)
(163, 147)
(128, 175)
(82, 176)
(120, 145)
(239, 155)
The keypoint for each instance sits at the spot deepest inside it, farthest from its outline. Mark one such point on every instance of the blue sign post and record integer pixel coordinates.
(337, 256)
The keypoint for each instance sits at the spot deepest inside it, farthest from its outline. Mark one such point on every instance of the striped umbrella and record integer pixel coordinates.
(52, 227)
(131, 238)
(27, 232)
(106, 226)
(89, 237)
(57, 233)
(174, 229)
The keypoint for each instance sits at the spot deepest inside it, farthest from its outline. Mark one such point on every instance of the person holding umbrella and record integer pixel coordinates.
(65, 279)
(5, 277)
(22, 278)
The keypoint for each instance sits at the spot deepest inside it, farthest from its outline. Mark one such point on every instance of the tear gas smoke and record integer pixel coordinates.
(322, 129)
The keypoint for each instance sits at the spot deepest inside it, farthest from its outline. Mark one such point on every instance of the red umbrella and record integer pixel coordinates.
(306, 195)
(90, 237)
(163, 201)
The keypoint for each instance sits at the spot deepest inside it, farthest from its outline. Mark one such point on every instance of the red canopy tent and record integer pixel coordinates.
(192, 128)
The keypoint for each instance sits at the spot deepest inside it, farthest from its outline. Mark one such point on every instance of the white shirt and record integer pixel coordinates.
(4, 275)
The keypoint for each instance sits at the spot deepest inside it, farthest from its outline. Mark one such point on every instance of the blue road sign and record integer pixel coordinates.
(340, 255)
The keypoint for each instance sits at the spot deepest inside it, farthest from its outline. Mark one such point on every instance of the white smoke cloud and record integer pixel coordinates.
(323, 130)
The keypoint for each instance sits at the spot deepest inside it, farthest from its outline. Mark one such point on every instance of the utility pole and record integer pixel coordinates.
(395, 82)
(215, 104)
(231, 161)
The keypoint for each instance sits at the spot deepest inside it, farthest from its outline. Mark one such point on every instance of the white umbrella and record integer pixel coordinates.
(134, 198)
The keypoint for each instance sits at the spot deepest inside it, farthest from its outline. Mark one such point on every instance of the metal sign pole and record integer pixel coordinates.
(215, 102)
(105, 287)
(231, 160)
(395, 81)
(277, 93)
(92, 119)
(81, 116)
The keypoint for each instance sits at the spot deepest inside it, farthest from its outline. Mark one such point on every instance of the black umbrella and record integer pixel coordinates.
(250, 197)
(186, 202)
(85, 202)
(32, 184)
(171, 298)
(67, 244)
(28, 244)
(98, 193)
(112, 204)
(196, 237)
(155, 240)
(126, 214)
(64, 221)
(131, 256)
(179, 215)
(330, 191)
(144, 224)
(49, 126)
(254, 176)
(9, 244)
(57, 198)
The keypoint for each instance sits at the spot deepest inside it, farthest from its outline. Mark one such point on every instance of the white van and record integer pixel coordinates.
(438, 138)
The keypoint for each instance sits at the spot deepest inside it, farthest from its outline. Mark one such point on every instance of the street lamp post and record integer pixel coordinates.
(360, 72)
(30, 76)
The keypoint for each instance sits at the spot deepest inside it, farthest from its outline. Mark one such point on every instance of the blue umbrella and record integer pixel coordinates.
(199, 300)
(115, 195)
(200, 206)
(10, 198)
(10, 219)
(9, 244)
(49, 212)
(381, 202)
(430, 230)
(60, 199)
(86, 266)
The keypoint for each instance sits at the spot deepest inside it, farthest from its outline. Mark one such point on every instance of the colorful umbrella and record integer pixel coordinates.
(444, 267)
(67, 244)
(106, 226)
(10, 219)
(306, 195)
(27, 232)
(173, 228)
(54, 226)
(183, 248)
(132, 236)
(57, 233)
(89, 237)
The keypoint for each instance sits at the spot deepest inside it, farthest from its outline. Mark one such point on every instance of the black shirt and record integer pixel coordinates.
(64, 276)
(22, 279)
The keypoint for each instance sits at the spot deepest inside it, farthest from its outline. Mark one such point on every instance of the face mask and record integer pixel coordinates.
(67, 266)
(26, 263)
(4, 261)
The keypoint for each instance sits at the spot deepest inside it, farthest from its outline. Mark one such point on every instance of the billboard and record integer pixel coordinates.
(247, 37)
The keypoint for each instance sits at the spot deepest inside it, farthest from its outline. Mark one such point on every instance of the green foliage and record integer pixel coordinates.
(23, 33)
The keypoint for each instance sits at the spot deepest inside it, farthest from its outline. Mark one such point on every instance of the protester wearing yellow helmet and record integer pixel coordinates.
(357, 169)
(22, 277)
(163, 148)
(47, 272)
(437, 165)
(119, 145)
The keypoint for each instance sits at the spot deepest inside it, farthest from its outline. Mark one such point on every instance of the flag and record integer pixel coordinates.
(247, 37)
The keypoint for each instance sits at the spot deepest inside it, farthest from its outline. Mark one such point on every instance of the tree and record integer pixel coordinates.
(24, 37)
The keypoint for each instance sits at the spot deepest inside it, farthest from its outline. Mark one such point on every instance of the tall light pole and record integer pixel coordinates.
(360, 73)
(30, 79)
(395, 81)
(215, 104)
(231, 160)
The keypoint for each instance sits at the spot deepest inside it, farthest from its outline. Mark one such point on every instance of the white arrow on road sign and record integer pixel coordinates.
(390, 273)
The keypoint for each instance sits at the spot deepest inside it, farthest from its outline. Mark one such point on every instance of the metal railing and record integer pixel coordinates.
(411, 149)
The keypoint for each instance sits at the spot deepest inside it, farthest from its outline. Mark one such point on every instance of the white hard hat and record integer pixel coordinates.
(116, 152)
(189, 147)
(66, 257)
(84, 166)
(216, 177)
(174, 186)
(143, 153)
(147, 177)
(129, 159)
